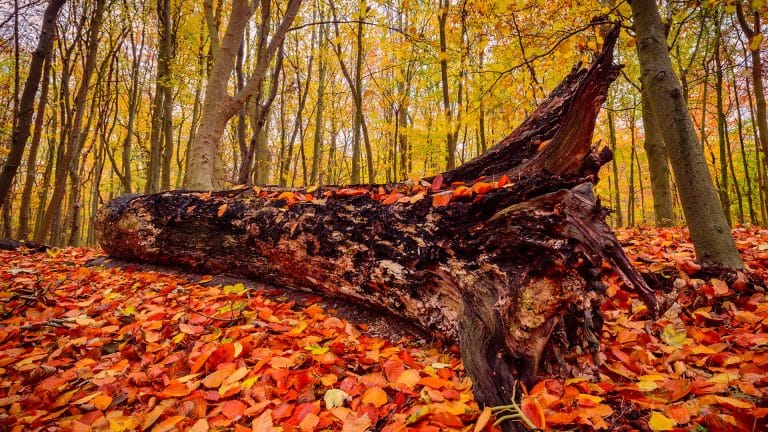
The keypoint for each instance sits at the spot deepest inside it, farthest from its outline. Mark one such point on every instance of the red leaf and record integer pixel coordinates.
(437, 183)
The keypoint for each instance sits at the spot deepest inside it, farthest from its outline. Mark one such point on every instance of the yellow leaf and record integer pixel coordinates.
(120, 423)
(647, 386)
(672, 337)
(652, 377)
(754, 42)
(298, 328)
(660, 422)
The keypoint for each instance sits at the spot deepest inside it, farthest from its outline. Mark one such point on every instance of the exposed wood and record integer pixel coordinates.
(512, 274)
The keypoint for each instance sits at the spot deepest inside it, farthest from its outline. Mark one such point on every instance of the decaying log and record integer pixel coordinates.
(512, 275)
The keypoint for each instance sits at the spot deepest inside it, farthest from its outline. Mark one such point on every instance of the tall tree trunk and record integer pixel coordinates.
(450, 138)
(162, 81)
(658, 166)
(708, 226)
(70, 159)
(358, 95)
(29, 180)
(760, 157)
(744, 162)
(614, 165)
(725, 199)
(317, 146)
(133, 107)
(23, 123)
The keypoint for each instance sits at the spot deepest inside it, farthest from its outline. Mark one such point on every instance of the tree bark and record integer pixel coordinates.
(27, 104)
(658, 166)
(450, 137)
(709, 229)
(72, 143)
(29, 180)
(218, 105)
(512, 275)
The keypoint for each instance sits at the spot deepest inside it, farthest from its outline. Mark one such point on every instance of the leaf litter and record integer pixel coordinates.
(117, 349)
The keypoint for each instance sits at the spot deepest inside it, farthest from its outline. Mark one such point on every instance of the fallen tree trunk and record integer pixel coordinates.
(509, 269)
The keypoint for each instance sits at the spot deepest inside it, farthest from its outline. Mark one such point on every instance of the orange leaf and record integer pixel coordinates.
(263, 423)
(720, 288)
(483, 419)
(462, 191)
(448, 419)
(222, 210)
(359, 424)
(482, 188)
(309, 422)
(215, 379)
(175, 389)
(535, 413)
(102, 401)
(375, 396)
(233, 409)
(200, 426)
(441, 199)
(503, 181)
(190, 329)
(408, 378)
(678, 413)
(392, 198)
(168, 424)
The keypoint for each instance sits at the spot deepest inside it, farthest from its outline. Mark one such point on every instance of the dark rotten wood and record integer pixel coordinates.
(513, 275)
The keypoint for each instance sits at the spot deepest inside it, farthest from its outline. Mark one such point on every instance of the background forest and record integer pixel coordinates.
(356, 92)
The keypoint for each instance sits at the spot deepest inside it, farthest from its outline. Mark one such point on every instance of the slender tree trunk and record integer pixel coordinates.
(23, 123)
(358, 91)
(450, 138)
(725, 199)
(742, 148)
(287, 157)
(711, 235)
(631, 189)
(614, 166)
(658, 166)
(42, 198)
(133, 107)
(29, 180)
(70, 158)
(317, 147)
(763, 184)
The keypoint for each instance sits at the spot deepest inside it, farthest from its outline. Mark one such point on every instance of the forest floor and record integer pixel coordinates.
(89, 344)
